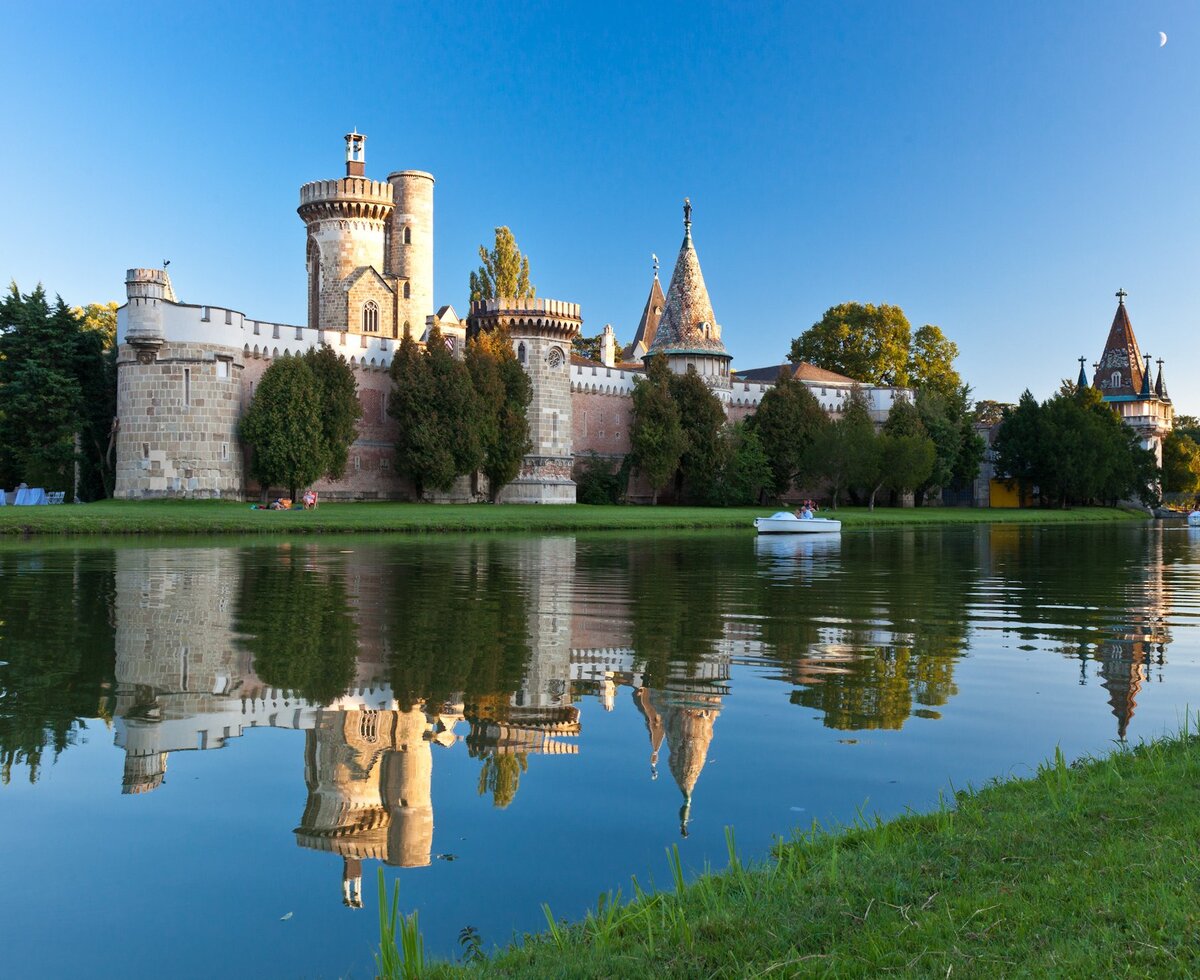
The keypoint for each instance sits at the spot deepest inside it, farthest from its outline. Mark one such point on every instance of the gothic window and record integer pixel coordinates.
(370, 317)
(521, 353)
(555, 357)
(1116, 379)
(407, 235)
(407, 291)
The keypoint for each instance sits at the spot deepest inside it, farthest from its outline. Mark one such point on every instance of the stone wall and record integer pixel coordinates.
(178, 422)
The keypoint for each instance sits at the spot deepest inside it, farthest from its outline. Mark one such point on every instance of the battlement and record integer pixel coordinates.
(149, 283)
(525, 306)
(353, 197)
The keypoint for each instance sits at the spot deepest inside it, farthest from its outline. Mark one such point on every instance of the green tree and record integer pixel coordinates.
(787, 423)
(505, 392)
(959, 449)
(989, 412)
(283, 427)
(591, 347)
(100, 318)
(438, 415)
(906, 453)
(847, 449)
(865, 342)
(46, 361)
(1181, 464)
(702, 417)
(505, 272)
(1018, 444)
(931, 361)
(656, 435)
(336, 393)
(746, 471)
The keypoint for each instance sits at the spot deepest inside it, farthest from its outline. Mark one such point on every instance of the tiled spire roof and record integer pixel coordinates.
(1160, 386)
(1120, 369)
(648, 325)
(688, 323)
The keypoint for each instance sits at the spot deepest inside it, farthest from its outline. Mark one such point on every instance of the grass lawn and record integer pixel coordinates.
(225, 517)
(1084, 870)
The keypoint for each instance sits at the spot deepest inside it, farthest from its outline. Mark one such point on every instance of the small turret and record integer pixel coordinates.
(356, 154)
(1160, 386)
(147, 290)
(1082, 382)
(608, 346)
(1146, 378)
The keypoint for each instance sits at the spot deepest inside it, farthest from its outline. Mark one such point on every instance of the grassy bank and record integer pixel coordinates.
(1083, 870)
(224, 517)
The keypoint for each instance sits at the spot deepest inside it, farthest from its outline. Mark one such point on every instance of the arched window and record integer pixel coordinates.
(1116, 379)
(407, 291)
(407, 235)
(370, 317)
(555, 358)
(521, 353)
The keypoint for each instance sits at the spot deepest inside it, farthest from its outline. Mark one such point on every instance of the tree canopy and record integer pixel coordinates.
(656, 435)
(438, 413)
(931, 361)
(504, 272)
(702, 418)
(57, 392)
(1181, 464)
(504, 392)
(860, 340)
(283, 427)
(787, 423)
(1074, 449)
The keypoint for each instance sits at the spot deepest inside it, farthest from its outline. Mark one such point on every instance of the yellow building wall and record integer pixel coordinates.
(1002, 495)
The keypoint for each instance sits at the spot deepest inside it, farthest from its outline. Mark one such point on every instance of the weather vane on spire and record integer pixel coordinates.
(655, 258)
(687, 214)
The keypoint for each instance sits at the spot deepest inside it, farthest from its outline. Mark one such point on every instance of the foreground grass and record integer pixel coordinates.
(226, 517)
(1083, 870)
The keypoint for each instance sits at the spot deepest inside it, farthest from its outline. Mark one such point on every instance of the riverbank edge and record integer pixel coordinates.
(226, 517)
(1080, 869)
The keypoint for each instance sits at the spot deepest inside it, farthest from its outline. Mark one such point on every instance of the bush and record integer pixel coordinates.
(599, 482)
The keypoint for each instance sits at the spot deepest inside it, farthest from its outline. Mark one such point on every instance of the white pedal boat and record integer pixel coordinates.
(1194, 519)
(785, 522)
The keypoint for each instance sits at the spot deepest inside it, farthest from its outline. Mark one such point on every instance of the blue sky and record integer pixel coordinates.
(998, 169)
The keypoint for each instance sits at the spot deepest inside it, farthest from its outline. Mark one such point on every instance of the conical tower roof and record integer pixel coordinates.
(1160, 386)
(1120, 369)
(647, 328)
(688, 324)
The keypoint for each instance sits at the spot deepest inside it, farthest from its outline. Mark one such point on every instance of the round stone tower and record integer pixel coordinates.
(410, 248)
(346, 220)
(541, 332)
(178, 395)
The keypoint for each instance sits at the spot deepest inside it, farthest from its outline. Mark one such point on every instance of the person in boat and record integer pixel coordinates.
(806, 514)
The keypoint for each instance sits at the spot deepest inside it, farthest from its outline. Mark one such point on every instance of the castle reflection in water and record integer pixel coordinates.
(386, 657)
(186, 680)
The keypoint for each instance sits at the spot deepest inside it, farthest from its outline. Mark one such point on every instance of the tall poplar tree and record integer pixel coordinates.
(702, 417)
(504, 272)
(335, 394)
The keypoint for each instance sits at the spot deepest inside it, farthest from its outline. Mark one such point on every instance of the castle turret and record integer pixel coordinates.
(410, 248)
(145, 291)
(346, 221)
(541, 332)
(688, 334)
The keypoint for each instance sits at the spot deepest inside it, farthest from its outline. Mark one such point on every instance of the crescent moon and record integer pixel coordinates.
(1162, 39)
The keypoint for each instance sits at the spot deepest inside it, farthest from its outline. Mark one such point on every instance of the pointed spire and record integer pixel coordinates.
(1083, 381)
(688, 324)
(647, 328)
(1120, 367)
(1160, 386)
(1146, 379)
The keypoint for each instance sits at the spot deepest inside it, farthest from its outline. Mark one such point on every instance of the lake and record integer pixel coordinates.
(208, 750)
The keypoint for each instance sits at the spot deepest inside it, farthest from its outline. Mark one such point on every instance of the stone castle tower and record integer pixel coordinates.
(541, 332)
(370, 249)
(178, 400)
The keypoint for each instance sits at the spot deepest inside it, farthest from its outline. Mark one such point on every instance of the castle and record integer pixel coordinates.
(186, 373)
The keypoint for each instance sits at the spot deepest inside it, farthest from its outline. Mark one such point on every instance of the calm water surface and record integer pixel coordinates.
(206, 753)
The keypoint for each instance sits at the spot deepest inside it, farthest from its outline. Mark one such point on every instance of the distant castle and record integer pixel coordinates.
(187, 373)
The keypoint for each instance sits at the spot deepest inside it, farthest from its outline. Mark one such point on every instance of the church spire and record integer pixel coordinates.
(1160, 386)
(1083, 381)
(1146, 378)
